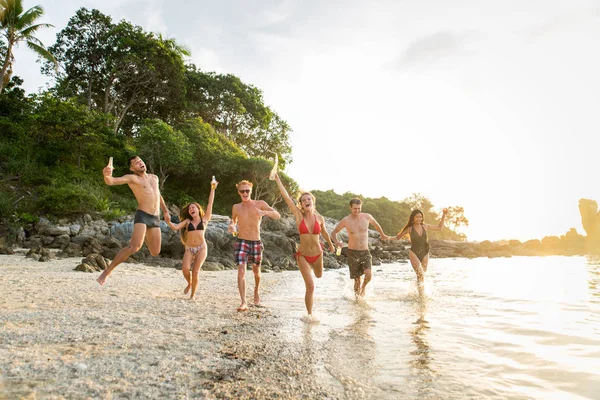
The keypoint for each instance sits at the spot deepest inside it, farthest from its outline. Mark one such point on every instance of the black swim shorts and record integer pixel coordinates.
(142, 217)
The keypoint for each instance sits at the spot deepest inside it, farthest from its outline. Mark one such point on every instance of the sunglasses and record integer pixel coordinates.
(244, 191)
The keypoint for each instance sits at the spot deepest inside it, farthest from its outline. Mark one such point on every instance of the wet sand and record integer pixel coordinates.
(64, 336)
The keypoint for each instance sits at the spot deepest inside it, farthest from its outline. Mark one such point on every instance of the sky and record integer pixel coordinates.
(486, 104)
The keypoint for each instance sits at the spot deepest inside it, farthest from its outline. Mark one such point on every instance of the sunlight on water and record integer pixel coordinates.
(520, 327)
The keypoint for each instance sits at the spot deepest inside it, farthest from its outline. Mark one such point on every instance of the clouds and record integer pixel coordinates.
(431, 49)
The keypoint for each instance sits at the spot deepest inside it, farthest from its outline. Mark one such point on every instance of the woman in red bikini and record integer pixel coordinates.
(310, 253)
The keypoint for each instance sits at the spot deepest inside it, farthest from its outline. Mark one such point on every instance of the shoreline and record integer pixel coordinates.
(63, 335)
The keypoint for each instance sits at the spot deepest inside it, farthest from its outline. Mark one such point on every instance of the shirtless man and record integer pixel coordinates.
(248, 247)
(146, 223)
(359, 258)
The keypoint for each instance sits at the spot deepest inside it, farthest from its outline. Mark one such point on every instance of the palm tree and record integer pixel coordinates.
(18, 26)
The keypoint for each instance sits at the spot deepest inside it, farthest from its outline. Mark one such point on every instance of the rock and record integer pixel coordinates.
(42, 225)
(70, 250)
(20, 235)
(75, 228)
(57, 231)
(212, 266)
(93, 263)
(61, 241)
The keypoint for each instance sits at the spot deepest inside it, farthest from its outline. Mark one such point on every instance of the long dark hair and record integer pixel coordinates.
(184, 214)
(410, 223)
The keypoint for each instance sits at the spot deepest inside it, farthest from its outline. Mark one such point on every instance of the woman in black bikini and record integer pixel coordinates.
(192, 227)
(419, 243)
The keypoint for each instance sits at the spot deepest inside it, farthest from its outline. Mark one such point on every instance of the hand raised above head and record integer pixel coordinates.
(107, 171)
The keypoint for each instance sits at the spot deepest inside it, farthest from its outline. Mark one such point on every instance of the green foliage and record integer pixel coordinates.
(114, 213)
(66, 199)
(27, 218)
(163, 148)
(120, 69)
(6, 208)
(69, 133)
(237, 110)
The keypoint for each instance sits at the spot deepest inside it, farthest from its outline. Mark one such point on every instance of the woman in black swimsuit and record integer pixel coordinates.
(419, 243)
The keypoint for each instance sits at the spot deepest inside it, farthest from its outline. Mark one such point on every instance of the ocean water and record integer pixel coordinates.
(499, 328)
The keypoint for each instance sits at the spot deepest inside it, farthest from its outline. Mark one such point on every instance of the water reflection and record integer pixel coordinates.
(352, 353)
(593, 267)
(421, 370)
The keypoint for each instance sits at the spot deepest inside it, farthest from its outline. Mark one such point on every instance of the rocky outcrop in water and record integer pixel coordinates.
(590, 219)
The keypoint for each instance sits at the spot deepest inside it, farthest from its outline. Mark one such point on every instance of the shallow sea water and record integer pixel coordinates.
(506, 328)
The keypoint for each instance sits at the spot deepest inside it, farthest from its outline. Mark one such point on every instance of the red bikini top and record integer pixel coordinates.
(304, 229)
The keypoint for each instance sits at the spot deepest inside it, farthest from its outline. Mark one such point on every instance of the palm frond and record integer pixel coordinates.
(43, 52)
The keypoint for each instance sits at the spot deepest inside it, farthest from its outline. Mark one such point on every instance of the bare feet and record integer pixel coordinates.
(309, 319)
(243, 307)
(192, 298)
(187, 289)
(102, 278)
(256, 298)
(362, 292)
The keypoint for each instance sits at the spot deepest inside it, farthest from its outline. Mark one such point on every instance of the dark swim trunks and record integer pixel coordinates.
(246, 251)
(142, 217)
(358, 262)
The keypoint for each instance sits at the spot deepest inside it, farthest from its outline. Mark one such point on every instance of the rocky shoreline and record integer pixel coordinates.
(91, 237)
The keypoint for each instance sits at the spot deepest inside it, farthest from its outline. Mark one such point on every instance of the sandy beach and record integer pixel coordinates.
(64, 336)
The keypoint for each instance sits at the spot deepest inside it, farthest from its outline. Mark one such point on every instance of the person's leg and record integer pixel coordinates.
(153, 241)
(256, 270)
(416, 264)
(365, 281)
(425, 262)
(197, 265)
(357, 286)
(306, 272)
(317, 267)
(366, 263)
(135, 244)
(186, 265)
(241, 280)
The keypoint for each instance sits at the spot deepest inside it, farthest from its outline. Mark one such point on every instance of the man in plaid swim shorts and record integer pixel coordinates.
(248, 247)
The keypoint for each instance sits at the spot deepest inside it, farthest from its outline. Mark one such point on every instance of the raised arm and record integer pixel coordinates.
(287, 198)
(267, 211)
(326, 234)
(111, 181)
(373, 222)
(211, 199)
(439, 226)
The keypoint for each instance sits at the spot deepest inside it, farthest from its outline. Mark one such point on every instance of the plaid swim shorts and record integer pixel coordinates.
(246, 251)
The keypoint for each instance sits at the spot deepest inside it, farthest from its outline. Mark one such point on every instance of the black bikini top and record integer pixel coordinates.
(200, 226)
